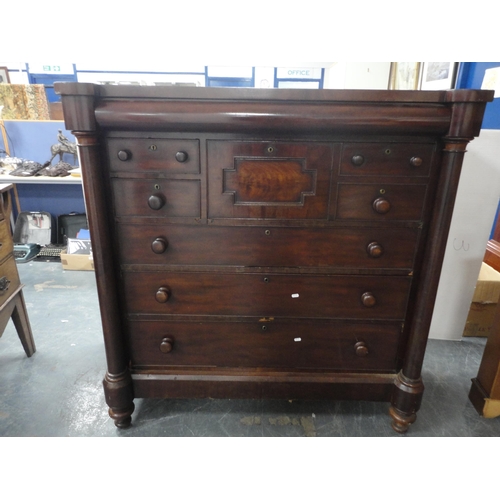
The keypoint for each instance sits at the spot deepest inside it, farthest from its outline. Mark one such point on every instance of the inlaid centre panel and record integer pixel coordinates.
(269, 179)
(266, 181)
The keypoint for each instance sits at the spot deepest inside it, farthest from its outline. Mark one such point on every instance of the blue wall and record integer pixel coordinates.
(470, 76)
(31, 140)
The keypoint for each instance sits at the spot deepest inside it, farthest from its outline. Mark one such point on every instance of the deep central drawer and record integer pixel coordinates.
(258, 294)
(370, 248)
(301, 344)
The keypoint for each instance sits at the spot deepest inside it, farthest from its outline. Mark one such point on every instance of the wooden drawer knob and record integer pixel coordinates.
(124, 155)
(416, 161)
(361, 349)
(381, 206)
(368, 299)
(159, 245)
(357, 160)
(181, 156)
(374, 249)
(167, 344)
(156, 202)
(162, 295)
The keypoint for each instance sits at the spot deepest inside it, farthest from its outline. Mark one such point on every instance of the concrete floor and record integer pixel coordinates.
(58, 391)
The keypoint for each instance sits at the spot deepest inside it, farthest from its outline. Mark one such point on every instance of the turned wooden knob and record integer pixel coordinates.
(357, 160)
(162, 295)
(368, 299)
(374, 249)
(156, 202)
(159, 245)
(181, 156)
(416, 161)
(361, 349)
(381, 206)
(124, 155)
(167, 344)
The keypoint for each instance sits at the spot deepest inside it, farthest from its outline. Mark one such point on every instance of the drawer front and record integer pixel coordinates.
(394, 159)
(266, 247)
(241, 294)
(156, 198)
(9, 279)
(269, 180)
(6, 245)
(301, 344)
(381, 202)
(172, 156)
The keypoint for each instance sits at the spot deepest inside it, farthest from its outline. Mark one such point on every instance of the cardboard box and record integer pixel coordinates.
(77, 262)
(484, 303)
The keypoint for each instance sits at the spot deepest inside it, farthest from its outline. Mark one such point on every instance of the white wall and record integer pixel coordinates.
(473, 216)
(358, 75)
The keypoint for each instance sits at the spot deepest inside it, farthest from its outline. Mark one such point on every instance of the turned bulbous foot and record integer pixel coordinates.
(122, 418)
(401, 421)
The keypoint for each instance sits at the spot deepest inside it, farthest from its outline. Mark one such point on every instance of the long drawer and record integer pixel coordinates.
(370, 248)
(298, 344)
(259, 294)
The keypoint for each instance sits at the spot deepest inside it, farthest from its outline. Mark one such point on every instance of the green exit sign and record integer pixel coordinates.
(52, 68)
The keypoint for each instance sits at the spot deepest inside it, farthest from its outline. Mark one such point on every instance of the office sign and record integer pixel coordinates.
(299, 73)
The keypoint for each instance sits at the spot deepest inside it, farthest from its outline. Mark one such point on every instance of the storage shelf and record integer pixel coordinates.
(70, 179)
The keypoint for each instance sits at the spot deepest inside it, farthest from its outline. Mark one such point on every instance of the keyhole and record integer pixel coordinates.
(270, 149)
(157, 187)
(153, 147)
(388, 151)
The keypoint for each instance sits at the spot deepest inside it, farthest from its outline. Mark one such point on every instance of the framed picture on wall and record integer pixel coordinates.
(4, 75)
(404, 76)
(438, 75)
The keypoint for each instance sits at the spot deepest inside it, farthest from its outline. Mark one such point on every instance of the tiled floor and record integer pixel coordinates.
(58, 391)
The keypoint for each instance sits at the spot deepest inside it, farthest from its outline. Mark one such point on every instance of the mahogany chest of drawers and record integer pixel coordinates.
(267, 243)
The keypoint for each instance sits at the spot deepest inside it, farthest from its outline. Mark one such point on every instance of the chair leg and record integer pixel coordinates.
(22, 324)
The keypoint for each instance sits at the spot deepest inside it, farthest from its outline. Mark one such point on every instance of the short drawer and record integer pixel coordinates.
(175, 244)
(394, 159)
(156, 198)
(381, 202)
(273, 295)
(169, 156)
(9, 279)
(6, 245)
(275, 344)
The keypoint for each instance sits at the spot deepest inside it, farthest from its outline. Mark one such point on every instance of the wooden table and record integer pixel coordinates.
(12, 303)
(485, 389)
